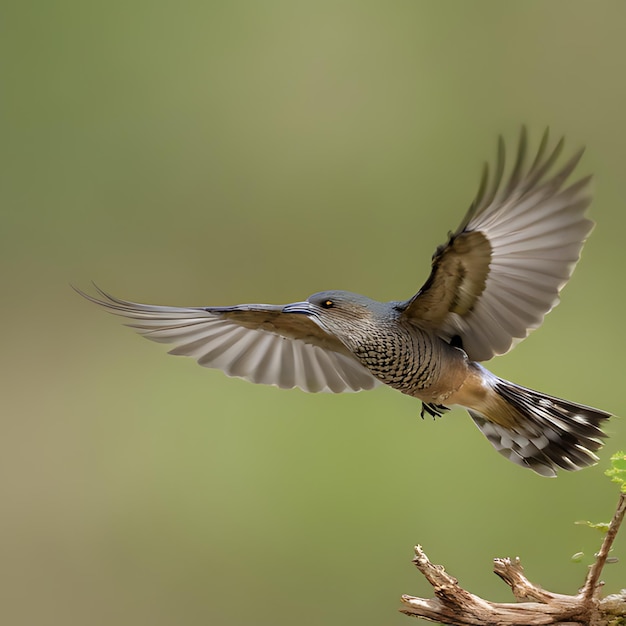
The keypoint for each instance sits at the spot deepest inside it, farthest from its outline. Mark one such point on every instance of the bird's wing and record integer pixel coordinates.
(252, 341)
(501, 271)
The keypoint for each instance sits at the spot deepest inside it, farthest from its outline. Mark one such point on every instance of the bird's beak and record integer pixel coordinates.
(303, 308)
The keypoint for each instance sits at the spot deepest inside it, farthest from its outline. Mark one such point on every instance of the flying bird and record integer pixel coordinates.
(499, 273)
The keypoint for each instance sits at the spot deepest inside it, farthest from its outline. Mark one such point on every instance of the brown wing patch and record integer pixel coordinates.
(458, 277)
(271, 319)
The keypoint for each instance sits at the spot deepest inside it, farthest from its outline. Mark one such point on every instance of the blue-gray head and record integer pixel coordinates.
(342, 313)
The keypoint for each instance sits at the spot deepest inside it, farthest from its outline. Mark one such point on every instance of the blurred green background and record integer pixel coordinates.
(220, 152)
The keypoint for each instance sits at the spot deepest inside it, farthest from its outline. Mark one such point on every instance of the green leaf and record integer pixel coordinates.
(617, 472)
(578, 557)
(603, 527)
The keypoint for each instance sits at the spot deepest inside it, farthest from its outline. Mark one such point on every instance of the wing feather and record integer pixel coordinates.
(256, 342)
(502, 270)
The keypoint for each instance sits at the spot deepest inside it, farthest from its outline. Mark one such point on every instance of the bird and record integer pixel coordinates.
(490, 284)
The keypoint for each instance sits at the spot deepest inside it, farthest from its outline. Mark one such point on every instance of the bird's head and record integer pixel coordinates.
(341, 313)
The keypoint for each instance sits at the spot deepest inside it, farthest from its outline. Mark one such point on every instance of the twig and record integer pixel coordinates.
(535, 607)
(591, 584)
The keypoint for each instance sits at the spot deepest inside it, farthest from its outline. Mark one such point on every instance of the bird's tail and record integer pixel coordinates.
(539, 431)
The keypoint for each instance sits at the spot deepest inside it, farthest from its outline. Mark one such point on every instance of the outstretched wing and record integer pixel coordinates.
(501, 271)
(256, 342)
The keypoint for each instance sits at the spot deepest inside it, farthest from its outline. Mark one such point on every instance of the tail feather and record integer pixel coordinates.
(547, 433)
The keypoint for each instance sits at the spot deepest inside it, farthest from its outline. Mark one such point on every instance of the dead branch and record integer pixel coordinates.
(535, 606)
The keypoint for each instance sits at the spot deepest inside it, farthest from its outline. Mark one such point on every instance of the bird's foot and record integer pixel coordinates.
(436, 410)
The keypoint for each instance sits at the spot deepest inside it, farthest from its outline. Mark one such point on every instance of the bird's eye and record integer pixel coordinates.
(327, 304)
